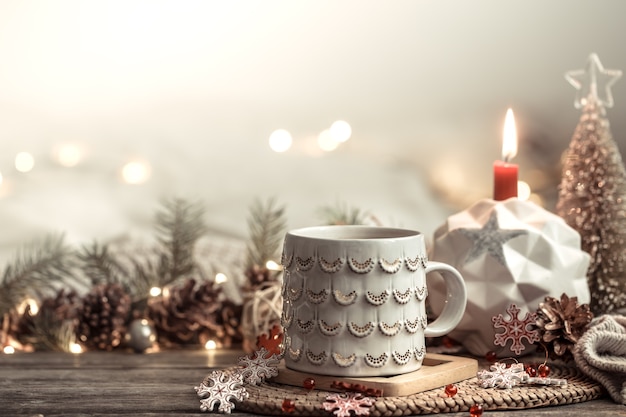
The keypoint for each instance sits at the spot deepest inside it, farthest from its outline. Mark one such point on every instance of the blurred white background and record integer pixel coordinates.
(194, 89)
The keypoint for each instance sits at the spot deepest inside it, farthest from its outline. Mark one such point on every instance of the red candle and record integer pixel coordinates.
(504, 172)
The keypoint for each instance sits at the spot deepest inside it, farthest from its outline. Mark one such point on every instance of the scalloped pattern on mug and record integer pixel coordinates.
(402, 359)
(402, 297)
(286, 318)
(305, 326)
(423, 322)
(329, 329)
(420, 353)
(330, 267)
(294, 294)
(376, 362)
(412, 325)
(285, 260)
(344, 299)
(413, 264)
(421, 293)
(390, 330)
(294, 354)
(343, 361)
(390, 267)
(316, 359)
(305, 264)
(361, 267)
(361, 331)
(377, 300)
(316, 297)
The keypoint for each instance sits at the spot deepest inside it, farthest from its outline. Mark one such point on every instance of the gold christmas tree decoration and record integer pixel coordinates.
(592, 193)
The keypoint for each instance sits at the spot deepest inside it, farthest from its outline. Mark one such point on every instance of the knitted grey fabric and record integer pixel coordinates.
(601, 354)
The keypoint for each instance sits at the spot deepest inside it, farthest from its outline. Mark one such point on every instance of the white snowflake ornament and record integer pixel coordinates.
(221, 388)
(341, 404)
(515, 329)
(258, 367)
(508, 252)
(502, 376)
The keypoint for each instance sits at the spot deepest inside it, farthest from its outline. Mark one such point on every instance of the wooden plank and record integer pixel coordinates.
(436, 371)
(160, 384)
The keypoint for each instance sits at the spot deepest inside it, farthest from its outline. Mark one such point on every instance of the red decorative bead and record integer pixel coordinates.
(448, 342)
(532, 372)
(451, 390)
(308, 383)
(543, 370)
(476, 410)
(491, 356)
(288, 406)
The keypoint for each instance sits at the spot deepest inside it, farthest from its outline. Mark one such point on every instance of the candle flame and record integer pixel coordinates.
(509, 142)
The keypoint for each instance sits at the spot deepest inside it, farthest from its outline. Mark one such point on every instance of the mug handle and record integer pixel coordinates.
(456, 299)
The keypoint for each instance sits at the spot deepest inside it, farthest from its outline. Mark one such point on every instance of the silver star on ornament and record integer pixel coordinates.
(490, 239)
(588, 80)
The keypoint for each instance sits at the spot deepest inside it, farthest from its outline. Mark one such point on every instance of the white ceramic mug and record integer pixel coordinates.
(354, 300)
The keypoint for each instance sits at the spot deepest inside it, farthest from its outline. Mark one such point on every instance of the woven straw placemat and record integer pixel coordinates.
(267, 398)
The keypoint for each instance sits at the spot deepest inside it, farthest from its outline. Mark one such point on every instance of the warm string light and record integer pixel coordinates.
(273, 266)
(220, 278)
(327, 141)
(155, 291)
(210, 345)
(8, 350)
(75, 348)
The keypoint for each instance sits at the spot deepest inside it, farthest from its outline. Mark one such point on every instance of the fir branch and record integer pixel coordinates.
(101, 266)
(341, 214)
(179, 225)
(266, 225)
(37, 268)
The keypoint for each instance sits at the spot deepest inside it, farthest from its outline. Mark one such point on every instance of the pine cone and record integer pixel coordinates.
(23, 327)
(259, 277)
(102, 317)
(230, 320)
(562, 322)
(182, 313)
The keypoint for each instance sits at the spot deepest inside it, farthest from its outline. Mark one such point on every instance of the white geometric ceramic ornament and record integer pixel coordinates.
(509, 252)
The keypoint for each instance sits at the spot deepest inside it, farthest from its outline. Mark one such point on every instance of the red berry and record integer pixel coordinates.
(491, 356)
(451, 390)
(308, 383)
(448, 342)
(543, 370)
(288, 406)
(476, 410)
(532, 372)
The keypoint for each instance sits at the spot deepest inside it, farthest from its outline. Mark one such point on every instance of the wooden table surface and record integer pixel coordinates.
(158, 384)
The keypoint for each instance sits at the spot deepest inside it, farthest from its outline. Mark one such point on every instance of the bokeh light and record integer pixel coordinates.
(326, 142)
(155, 291)
(69, 155)
(24, 162)
(340, 131)
(136, 172)
(280, 140)
(220, 278)
(210, 345)
(523, 190)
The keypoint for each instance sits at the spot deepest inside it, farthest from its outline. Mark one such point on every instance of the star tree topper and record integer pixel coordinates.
(587, 81)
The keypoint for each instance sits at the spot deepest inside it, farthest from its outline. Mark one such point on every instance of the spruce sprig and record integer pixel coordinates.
(341, 214)
(266, 225)
(179, 225)
(101, 266)
(38, 267)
